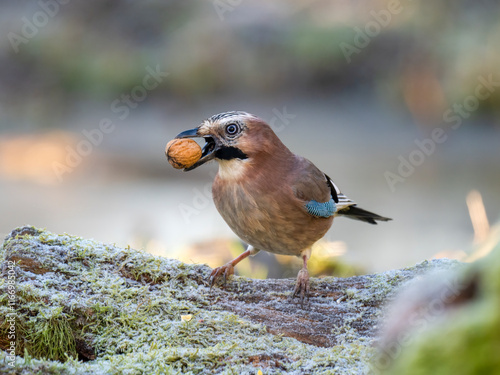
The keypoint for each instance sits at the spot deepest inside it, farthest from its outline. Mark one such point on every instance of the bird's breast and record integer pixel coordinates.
(270, 219)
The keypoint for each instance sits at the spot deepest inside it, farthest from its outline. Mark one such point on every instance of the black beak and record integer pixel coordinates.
(208, 151)
(191, 133)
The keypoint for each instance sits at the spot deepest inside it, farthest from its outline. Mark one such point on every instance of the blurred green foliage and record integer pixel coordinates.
(95, 50)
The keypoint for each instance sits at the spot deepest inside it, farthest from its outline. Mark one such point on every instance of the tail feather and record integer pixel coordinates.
(356, 213)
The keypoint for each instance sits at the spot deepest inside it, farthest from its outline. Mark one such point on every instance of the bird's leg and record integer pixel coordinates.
(302, 285)
(228, 269)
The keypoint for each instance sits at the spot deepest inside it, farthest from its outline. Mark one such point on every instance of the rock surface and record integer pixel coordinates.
(83, 307)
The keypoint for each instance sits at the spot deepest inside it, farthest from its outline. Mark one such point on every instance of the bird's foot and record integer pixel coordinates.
(223, 271)
(302, 286)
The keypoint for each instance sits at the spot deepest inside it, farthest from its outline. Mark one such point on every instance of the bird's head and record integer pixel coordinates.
(233, 136)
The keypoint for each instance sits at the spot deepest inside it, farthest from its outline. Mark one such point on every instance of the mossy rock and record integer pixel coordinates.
(84, 307)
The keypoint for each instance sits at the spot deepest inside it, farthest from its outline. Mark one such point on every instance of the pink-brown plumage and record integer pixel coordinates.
(263, 191)
(265, 205)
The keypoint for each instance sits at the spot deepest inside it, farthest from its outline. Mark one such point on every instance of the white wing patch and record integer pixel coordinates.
(343, 200)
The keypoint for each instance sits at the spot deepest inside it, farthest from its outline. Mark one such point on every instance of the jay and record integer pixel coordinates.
(271, 198)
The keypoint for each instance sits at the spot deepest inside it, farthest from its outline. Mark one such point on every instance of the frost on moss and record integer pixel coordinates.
(84, 307)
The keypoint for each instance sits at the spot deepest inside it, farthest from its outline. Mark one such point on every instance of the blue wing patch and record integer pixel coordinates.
(318, 209)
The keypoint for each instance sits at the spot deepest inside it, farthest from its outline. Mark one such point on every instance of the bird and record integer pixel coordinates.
(271, 198)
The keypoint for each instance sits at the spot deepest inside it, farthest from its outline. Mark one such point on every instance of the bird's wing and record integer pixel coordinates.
(308, 182)
(342, 200)
(323, 198)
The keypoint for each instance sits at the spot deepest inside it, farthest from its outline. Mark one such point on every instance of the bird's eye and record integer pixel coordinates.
(232, 129)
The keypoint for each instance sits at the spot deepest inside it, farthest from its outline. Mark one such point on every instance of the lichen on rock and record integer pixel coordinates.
(85, 307)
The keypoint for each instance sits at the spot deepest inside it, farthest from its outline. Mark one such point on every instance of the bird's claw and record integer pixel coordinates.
(302, 286)
(225, 271)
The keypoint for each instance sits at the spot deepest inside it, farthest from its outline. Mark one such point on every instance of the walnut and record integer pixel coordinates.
(182, 153)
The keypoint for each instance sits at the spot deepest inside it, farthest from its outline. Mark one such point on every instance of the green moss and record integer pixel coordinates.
(124, 308)
(465, 340)
(51, 338)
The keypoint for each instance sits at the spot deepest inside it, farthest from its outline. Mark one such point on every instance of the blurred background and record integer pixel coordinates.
(398, 101)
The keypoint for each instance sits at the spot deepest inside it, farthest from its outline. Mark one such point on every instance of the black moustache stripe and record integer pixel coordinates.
(229, 153)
